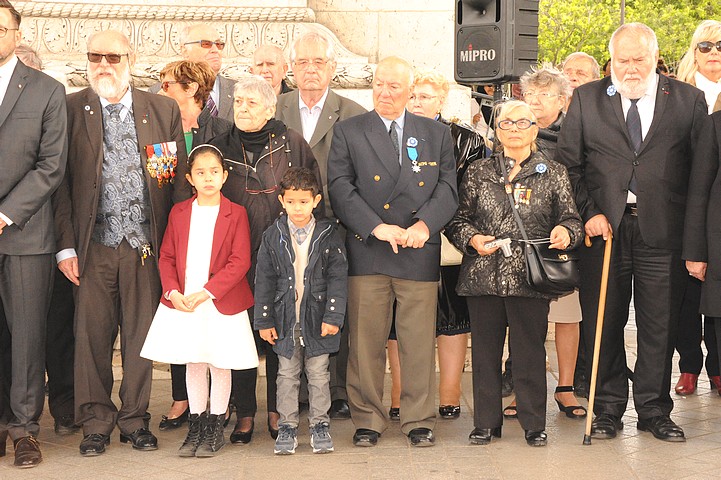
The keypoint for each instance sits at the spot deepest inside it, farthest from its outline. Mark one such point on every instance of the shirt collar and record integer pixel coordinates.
(294, 229)
(318, 106)
(126, 101)
(400, 121)
(7, 70)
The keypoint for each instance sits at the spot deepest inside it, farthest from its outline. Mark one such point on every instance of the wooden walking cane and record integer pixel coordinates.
(599, 334)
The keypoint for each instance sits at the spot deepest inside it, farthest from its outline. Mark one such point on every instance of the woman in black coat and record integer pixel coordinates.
(495, 285)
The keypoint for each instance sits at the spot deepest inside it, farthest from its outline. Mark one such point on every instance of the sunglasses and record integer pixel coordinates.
(705, 47)
(166, 85)
(112, 58)
(208, 43)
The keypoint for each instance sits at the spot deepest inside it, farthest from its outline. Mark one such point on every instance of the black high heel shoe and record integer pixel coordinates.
(449, 411)
(394, 414)
(239, 436)
(273, 431)
(570, 410)
(173, 423)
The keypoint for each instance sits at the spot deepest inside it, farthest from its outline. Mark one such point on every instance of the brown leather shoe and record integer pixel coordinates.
(27, 452)
(686, 384)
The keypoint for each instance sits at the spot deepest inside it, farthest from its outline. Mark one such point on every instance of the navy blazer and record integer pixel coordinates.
(368, 187)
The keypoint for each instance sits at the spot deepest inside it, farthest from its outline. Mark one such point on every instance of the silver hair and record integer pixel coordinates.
(583, 55)
(314, 37)
(185, 32)
(639, 29)
(256, 84)
(546, 76)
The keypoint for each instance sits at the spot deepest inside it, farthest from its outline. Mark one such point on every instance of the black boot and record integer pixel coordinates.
(213, 438)
(194, 437)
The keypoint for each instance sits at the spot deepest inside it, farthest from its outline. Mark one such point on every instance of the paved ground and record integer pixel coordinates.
(633, 455)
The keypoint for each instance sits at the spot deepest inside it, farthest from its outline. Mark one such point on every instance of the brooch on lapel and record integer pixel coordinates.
(611, 90)
(411, 145)
(162, 161)
(541, 168)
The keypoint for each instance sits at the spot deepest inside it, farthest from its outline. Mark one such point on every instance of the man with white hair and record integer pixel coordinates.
(581, 68)
(269, 62)
(628, 143)
(128, 165)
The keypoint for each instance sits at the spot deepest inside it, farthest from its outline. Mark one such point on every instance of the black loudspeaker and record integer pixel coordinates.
(496, 40)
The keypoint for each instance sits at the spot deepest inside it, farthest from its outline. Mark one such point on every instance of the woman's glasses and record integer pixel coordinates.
(521, 124)
(705, 47)
(166, 85)
(251, 191)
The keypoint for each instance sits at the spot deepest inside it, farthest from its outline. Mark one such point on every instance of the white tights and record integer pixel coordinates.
(196, 379)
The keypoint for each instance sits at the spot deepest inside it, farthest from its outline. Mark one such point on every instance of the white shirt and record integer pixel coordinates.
(646, 106)
(127, 103)
(400, 123)
(6, 71)
(710, 89)
(309, 116)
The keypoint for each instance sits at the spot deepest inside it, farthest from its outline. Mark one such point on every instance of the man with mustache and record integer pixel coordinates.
(33, 127)
(628, 142)
(128, 165)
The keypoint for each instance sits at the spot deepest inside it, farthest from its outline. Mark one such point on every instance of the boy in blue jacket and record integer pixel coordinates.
(300, 299)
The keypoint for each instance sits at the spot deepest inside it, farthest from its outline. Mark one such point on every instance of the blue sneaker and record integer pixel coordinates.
(287, 440)
(320, 438)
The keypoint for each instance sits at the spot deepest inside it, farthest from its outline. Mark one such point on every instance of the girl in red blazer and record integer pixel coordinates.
(201, 320)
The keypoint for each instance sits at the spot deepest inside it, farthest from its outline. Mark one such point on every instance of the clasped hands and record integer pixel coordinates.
(270, 335)
(414, 236)
(188, 303)
(560, 239)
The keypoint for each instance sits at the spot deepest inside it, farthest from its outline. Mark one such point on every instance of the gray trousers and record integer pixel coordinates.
(288, 381)
(25, 284)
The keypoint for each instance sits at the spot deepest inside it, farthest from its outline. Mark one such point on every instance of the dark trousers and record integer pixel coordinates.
(116, 292)
(60, 348)
(658, 279)
(527, 321)
(688, 341)
(25, 284)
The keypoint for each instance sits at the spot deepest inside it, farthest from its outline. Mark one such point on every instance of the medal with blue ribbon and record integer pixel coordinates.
(411, 145)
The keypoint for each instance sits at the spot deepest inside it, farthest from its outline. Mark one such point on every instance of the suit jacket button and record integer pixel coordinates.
(386, 206)
(635, 163)
(377, 178)
(420, 184)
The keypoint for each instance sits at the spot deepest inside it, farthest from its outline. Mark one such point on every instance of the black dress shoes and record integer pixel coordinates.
(240, 436)
(536, 438)
(605, 426)
(364, 437)
(449, 412)
(173, 423)
(140, 439)
(27, 452)
(94, 444)
(483, 436)
(339, 409)
(395, 414)
(65, 425)
(421, 437)
(662, 427)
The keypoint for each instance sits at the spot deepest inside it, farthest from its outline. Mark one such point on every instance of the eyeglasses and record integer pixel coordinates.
(423, 98)
(304, 63)
(521, 124)
(247, 166)
(208, 43)
(166, 85)
(4, 31)
(541, 96)
(112, 58)
(705, 47)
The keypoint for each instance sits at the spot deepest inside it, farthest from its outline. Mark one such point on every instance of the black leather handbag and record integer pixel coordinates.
(548, 271)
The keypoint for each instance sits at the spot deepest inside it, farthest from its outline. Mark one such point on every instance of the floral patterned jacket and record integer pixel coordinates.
(544, 198)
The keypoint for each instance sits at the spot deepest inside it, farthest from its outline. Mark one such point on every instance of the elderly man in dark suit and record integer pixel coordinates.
(313, 110)
(202, 43)
(33, 135)
(628, 143)
(269, 63)
(392, 182)
(128, 161)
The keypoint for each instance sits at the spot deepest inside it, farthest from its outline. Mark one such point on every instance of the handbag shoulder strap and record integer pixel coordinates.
(509, 193)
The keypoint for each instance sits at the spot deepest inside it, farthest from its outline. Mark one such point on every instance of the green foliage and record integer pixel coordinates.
(566, 26)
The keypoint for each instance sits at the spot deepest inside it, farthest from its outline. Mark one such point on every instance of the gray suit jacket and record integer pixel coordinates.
(335, 109)
(368, 187)
(33, 154)
(225, 107)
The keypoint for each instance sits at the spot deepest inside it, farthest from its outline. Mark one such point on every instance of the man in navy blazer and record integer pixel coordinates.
(628, 143)
(392, 182)
(33, 153)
